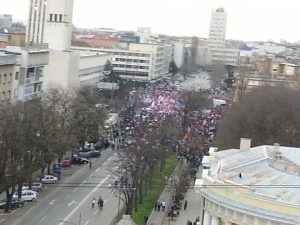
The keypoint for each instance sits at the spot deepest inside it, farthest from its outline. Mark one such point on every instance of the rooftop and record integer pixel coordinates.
(259, 169)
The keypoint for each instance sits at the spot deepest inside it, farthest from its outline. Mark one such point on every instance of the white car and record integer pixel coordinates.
(49, 179)
(27, 195)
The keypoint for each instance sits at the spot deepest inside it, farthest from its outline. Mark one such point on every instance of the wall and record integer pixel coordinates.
(62, 70)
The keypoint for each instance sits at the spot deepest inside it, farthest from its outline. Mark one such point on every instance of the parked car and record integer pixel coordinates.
(15, 203)
(94, 154)
(90, 154)
(76, 160)
(49, 179)
(35, 186)
(27, 195)
(65, 163)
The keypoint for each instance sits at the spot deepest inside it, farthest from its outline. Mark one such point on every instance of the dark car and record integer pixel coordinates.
(79, 160)
(94, 154)
(90, 154)
(15, 203)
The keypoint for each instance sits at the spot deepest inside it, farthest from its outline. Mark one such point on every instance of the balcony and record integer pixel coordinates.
(7, 60)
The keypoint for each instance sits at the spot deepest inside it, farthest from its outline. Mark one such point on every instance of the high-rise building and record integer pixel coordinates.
(217, 34)
(36, 18)
(5, 21)
(50, 22)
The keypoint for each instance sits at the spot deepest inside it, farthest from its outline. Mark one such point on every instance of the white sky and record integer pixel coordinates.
(247, 19)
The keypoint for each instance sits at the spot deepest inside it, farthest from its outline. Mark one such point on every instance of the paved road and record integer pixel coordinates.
(196, 82)
(70, 200)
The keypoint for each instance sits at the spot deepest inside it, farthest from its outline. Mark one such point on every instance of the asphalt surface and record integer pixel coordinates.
(70, 201)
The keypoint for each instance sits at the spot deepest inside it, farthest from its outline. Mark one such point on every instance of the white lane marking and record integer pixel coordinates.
(105, 201)
(96, 212)
(52, 202)
(1, 220)
(43, 218)
(86, 222)
(88, 196)
(74, 190)
(107, 161)
(97, 169)
(71, 203)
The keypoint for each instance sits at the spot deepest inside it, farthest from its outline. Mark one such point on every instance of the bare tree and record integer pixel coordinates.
(266, 115)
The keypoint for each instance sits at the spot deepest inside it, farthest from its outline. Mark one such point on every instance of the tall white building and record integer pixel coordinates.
(217, 34)
(50, 22)
(36, 19)
(217, 40)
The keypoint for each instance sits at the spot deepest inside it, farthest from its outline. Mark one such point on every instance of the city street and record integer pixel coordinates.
(70, 201)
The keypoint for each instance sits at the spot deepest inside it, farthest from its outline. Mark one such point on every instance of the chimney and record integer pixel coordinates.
(277, 153)
(245, 144)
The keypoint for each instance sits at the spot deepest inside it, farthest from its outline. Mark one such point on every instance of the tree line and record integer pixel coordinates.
(36, 133)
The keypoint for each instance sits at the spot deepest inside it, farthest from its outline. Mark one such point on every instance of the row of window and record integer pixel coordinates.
(131, 60)
(6, 95)
(128, 73)
(130, 66)
(132, 54)
(8, 78)
(57, 18)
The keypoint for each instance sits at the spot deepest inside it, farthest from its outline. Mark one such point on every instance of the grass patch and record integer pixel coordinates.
(155, 192)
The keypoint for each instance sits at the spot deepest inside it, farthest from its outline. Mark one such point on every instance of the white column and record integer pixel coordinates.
(227, 223)
(207, 218)
(215, 220)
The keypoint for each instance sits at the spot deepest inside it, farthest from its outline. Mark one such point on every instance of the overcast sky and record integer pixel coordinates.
(247, 20)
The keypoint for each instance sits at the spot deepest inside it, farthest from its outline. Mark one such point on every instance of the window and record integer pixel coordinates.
(15, 93)
(8, 94)
(17, 76)
(3, 96)
(55, 17)
(4, 79)
(51, 17)
(10, 78)
(60, 17)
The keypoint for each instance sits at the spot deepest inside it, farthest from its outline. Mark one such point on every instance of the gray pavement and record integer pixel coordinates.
(193, 207)
(70, 199)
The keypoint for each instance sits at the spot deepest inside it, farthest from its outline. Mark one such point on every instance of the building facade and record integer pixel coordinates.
(217, 34)
(50, 22)
(217, 40)
(252, 186)
(140, 62)
(33, 60)
(5, 21)
(9, 75)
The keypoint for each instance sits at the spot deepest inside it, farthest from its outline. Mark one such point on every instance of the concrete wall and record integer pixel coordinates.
(62, 70)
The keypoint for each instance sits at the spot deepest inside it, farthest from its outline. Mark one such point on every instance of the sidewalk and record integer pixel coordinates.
(193, 207)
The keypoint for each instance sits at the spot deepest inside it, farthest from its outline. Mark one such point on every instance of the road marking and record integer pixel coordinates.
(43, 218)
(97, 169)
(52, 202)
(86, 222)
(71, 203)
(88, 196)
(74, 190)
(96, 212)
(1, 220)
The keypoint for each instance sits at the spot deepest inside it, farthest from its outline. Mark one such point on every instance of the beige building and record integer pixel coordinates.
(9, 75)
(246, 83)
(252, 186)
